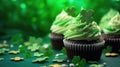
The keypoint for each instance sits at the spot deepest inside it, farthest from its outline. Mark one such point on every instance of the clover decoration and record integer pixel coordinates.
(70, 11)
(86, 16)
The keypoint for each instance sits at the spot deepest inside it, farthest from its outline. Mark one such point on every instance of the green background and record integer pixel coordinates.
(34, 17)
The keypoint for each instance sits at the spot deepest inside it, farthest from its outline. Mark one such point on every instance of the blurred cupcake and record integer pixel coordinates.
(59, 27)
(112, 33)
(84, 38)
(107, 17)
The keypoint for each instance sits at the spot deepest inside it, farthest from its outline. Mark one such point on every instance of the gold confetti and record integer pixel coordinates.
(3, 45)
(55, 65)
(16, 59)
(111, 54)
(13, 52)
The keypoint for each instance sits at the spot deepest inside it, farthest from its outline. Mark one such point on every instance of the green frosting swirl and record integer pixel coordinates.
(83, 31)
(113, 26)
(107, 17)
(60, 23)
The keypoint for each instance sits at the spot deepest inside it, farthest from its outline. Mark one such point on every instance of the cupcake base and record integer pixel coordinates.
(90, 50)
(113, 41)
(57, 41)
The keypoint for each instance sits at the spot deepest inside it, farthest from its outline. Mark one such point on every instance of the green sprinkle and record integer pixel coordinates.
(58, 60)
(38, 54)
(86, 16)
(40, 59)
(96, 65)
(1, 59)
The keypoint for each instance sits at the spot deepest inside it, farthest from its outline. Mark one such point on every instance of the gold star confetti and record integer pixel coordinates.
(108, 54)
(13, 52)
(114, 54)
(55, 65)
(111, 54)
(17, 59)
(3, 45)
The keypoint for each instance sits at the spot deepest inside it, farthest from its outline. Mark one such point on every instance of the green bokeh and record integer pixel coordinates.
(34, 17)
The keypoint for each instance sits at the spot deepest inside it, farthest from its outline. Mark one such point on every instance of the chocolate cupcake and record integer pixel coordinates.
(58, 28)
(57, 41)
(106, 18)
(112, 33)
(84, 38)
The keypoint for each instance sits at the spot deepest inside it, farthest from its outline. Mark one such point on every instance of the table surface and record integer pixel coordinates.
(110, 61)
(27, 62)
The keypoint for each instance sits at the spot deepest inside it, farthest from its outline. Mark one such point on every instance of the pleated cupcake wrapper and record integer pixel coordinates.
(114, 43)
(57, 41)
(87, 51)
(110, 35)
(56, 36)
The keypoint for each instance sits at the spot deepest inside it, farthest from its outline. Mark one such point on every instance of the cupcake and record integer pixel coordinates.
(107, 17)
(112, 33)
(84, 38)
(59, 27)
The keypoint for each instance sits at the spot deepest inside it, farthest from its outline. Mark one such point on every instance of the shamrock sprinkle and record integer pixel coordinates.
(3, 50)
(96, 65)
(33, 47)
(38, 60)
(71, 11)
(86, 16)
(36, 54)
(59, 60)
(1, 59)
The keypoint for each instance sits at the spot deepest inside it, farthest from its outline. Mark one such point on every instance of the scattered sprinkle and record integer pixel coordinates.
(45, 46)
(104, 63)
(72, 65)
(1, 59)
(11, 45)
(20, 45)
(26, 43)
(114, 54)
(58, 60)
(111, 54)
(36, 54)
(96, 65)
(3, 50)
(64, 65)
(17, 59)
(68, 61)
(5, 42)
(14, 52)
(56, 57)
(34, 47)
(55, 65)
(38, 60)
(3, 45)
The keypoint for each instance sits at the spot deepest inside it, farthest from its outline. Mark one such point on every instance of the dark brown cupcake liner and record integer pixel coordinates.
(57, 41)
(91, 52)
(113, 41)
(110, 35)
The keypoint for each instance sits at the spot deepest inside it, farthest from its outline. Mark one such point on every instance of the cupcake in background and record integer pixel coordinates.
(112, 33)
(59, 27)
(84, 37)
(107, 17)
